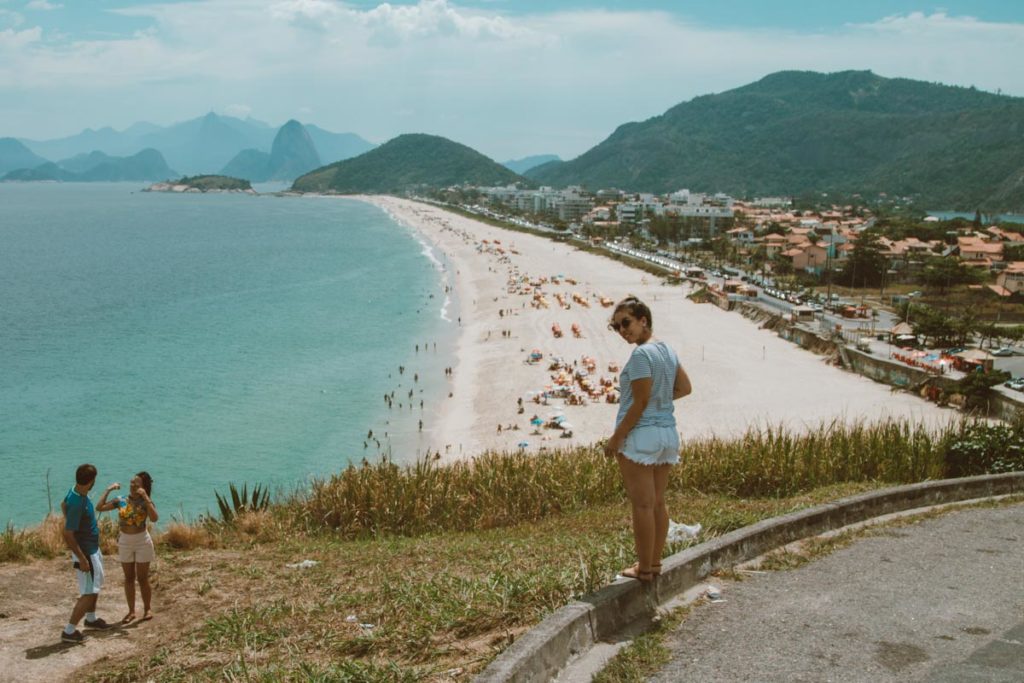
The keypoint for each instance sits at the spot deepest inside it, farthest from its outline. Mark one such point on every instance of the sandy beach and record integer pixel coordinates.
(742, 375)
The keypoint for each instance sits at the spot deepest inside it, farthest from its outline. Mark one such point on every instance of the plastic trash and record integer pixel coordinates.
(714, 593)
(305, 564)
(682, 532)
(351, 619)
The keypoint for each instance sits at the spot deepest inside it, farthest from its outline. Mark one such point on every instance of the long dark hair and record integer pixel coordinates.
(147, 482)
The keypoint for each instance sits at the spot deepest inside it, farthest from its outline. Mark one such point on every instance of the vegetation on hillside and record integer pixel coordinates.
(795, 133)
(406, 162)
(214, 182)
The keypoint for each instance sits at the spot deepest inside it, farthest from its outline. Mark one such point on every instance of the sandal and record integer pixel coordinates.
(635, 573)
(656, 569)
(128, 618)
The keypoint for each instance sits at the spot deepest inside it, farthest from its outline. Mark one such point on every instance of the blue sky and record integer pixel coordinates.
(508, 77)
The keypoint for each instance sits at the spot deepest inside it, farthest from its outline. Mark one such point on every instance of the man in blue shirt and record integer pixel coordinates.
(82, 537)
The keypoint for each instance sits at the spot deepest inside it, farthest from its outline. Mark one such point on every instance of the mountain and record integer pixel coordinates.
(148, 164)
(291, 155)
(106, 140)
(15, 155)
(408, 161)
(337, 146)
(251, 164)
(526, 163)
(80, 163)
(793, 133)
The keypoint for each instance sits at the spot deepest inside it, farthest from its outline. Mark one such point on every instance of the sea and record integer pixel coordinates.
(209, 339)
(987, 219)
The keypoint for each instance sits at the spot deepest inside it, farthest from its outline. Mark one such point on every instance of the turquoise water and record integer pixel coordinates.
(986, 218)
(205, 338)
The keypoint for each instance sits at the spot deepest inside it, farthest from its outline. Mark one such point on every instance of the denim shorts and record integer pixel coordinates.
(650, 445)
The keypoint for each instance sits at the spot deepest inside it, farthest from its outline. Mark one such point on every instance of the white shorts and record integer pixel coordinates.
(90, 584)
(135, 548)
(652, 445)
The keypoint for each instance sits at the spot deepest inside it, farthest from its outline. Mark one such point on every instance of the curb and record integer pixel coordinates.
(540, 653)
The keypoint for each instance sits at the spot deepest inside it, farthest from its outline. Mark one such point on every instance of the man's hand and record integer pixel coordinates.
(84, 563)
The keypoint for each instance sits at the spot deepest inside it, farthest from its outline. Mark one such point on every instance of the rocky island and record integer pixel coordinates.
(204, 183)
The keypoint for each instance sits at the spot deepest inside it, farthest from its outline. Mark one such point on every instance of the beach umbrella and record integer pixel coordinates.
(536, 421)
(523, 444)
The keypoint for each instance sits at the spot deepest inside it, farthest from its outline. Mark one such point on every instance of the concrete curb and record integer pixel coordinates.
(540, 653)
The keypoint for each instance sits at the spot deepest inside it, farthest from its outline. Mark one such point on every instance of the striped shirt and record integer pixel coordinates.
(659, 362)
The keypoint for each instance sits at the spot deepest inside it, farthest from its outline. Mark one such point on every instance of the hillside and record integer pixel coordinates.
(148, 164)
(405, 162)
(14, 155)
(292, 154)
(799, 132)
(526, 163)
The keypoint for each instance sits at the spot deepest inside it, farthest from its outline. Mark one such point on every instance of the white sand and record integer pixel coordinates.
(741, 375)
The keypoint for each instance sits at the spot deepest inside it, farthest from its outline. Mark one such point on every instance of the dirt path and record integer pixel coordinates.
(36, 599)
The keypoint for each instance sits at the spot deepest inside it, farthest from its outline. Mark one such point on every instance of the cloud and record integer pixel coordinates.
(552, 81)
(42, 5)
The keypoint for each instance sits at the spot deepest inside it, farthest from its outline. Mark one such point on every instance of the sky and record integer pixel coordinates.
(509, 78)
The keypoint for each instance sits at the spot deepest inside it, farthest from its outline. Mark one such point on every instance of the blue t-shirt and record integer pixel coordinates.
(80, 517)
(659, 362)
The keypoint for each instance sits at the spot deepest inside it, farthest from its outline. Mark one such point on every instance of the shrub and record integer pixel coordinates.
(981, 448)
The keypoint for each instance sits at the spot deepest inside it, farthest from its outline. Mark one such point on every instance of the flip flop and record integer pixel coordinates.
(128, 618)
(146, 617)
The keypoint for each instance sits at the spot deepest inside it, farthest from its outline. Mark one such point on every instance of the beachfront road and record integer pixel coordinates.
(939, 601)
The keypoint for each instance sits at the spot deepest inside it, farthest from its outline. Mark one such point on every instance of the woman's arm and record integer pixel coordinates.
(103, 505)
(682, 386)
(148, 502)
(641, 397)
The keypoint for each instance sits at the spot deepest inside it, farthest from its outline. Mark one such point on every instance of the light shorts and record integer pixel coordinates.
(650, 445)
(135, 547)
(90, 584)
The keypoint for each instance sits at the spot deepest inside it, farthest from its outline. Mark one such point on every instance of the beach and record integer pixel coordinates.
(742, 376)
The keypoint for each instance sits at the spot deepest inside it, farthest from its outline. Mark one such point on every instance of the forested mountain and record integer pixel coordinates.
(15, 155)
(405, 162)
(794, 133)
(148, 164)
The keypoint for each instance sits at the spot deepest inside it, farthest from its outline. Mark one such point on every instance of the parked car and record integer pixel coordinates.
(1004, 351)
(1017, 384)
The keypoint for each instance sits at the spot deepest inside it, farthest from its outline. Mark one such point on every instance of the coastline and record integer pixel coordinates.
(743, 376)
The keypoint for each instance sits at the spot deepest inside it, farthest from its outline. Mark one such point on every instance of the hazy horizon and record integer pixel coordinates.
(510, 79)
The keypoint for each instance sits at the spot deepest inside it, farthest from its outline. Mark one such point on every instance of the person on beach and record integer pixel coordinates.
(82, 537)
(645, 442)
(134, 544)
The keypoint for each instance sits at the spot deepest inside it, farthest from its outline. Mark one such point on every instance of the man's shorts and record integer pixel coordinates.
(650, 445)
(90, 583)
(135, 548)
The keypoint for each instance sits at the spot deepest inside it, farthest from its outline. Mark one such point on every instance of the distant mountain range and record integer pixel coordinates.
(523, 165)
(202, 145)
(291, 155)
(794, 133)
(148, 164)
(406, 162)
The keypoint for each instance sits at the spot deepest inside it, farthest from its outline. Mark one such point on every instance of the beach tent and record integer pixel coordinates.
(901, 328)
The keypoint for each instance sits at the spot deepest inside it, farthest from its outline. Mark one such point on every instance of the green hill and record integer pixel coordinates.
(148, 164)
(405, 162)
(798, 132)
(15, 156)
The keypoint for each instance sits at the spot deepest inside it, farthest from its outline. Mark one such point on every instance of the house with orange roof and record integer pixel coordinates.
(1011, 280)
(975, 251)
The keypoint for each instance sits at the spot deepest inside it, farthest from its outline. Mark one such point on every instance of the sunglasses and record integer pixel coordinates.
(618, 326)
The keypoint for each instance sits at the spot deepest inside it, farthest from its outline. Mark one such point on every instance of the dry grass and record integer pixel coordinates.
(185, 537)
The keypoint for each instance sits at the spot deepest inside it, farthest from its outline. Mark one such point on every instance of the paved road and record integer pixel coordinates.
(941, 601)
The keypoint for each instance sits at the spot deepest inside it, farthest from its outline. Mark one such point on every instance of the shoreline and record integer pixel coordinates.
(743, 376)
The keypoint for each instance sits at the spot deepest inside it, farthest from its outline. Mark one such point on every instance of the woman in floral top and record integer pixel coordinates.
(134, 545)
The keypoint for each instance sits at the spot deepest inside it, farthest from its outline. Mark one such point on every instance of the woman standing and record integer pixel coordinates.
(645, 442)
(134, 545)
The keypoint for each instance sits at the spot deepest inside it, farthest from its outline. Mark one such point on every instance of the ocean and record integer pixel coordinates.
(208, 339)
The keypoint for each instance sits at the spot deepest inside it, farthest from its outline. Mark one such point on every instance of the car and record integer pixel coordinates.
(1004, 351)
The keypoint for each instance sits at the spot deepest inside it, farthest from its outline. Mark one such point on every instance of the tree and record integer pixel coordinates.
(866, 265)
(977, 386)
(943, 273)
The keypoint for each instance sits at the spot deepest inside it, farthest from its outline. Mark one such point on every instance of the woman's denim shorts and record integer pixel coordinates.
(652, 445)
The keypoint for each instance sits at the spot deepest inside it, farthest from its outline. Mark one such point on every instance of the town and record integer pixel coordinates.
(933, 297)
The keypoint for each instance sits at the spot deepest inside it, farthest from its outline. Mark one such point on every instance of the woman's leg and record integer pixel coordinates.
(145, 589)
(661, 473)
(129, 589)
(639, 482)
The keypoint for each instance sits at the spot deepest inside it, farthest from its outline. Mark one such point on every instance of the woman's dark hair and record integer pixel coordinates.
(638, 309)
(147, 482)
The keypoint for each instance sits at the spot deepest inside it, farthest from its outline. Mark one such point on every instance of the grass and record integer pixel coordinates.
(426, 572)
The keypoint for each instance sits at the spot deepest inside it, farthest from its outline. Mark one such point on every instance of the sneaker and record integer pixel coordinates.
(75, 637)
(97, 623)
